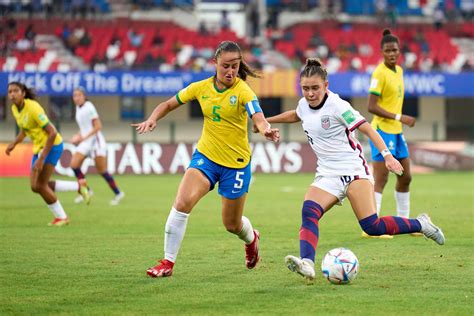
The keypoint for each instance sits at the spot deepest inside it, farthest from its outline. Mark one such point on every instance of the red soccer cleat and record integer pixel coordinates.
(251, 252)
(164, 269)
(58, 222)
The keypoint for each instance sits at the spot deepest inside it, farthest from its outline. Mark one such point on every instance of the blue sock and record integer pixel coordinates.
(309, 231)
(391, 225)
(111, 182)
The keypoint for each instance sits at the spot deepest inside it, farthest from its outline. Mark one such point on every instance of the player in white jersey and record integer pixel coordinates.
(342, 171)
(90, 142)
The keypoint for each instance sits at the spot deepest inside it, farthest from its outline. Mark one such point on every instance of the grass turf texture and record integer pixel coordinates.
(96, 265)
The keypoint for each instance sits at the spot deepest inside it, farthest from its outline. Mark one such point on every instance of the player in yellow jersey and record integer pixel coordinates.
(222, 154)
(47, 148)
(385, 101)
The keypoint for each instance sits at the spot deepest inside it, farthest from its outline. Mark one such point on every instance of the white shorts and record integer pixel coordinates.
(92, 147)
(337, 186)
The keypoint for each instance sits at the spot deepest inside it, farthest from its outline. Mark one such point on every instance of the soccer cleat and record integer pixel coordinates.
(117, 198)
(84, 191)
(80, 199)
(251, 251)
(164, 269)
(365, 235)
(300, 266)
(430, 230)
(58, 222)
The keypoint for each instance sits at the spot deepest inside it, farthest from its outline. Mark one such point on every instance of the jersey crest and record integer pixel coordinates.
(325, 122)
(233, 100)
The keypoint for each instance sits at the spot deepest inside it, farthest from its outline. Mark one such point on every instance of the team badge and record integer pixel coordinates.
(233, 100)
(200, 162)
(325, 122)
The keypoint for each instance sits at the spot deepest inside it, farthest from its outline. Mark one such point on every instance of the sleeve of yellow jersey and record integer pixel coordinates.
(189, 93)
(39, 116)
(250, 101)
(376, 83)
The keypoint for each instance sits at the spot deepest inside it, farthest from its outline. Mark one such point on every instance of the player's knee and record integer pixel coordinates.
(232, 227)
(181, 204)
(36, 188)
(405, 180)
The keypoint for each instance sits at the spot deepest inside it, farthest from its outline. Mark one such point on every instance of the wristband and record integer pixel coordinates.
(398, 117)
(385, 152)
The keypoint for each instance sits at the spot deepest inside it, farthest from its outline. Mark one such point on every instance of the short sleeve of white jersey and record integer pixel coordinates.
(91, 111)
(347, 115)
(298, 109)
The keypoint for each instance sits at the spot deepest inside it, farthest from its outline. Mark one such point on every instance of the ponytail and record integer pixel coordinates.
(314, 67)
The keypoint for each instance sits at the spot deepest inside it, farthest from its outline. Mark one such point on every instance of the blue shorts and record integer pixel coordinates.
(52, 157)
(233, 183)
(396, 143)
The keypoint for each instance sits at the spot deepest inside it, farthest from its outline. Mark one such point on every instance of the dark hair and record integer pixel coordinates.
(388, 37)
(29, 92)
(244, 69)
(314, 67)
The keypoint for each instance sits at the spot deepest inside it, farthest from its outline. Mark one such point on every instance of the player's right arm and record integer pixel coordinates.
(18, 139)
(160, 111)
(376, 109)
(285, 117)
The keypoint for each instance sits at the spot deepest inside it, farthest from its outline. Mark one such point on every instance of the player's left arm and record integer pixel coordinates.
(96, 127)
(265, 128)
(391, 163)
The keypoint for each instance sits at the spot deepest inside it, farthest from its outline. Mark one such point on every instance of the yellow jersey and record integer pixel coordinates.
(32, 120)
(224, 138)
(388, 86)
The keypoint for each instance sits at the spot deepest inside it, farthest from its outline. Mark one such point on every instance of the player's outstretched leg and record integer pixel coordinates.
(304, 267)
(430, 230)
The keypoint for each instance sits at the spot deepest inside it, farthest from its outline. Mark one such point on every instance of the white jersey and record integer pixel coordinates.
(94, 145)
(330, 133)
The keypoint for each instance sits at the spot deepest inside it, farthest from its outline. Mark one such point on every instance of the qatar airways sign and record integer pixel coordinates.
(154, 158)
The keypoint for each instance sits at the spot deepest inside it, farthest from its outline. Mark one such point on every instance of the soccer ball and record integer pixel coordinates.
(340, 266)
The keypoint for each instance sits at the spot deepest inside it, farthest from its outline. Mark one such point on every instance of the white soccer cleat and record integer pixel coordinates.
(302, 267)
(430, 230)
(117, 198)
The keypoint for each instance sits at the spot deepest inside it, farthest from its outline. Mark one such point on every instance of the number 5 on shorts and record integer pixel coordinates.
(238, 181)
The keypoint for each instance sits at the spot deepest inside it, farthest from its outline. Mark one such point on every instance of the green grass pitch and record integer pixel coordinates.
(97, 264)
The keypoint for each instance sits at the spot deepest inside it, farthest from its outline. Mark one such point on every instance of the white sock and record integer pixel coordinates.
(246, 234)
(62, 186)
(174, 233)
(57, 209)
(378, 201)
(403, 203)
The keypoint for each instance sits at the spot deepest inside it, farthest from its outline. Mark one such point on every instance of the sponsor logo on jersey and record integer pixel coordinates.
(348, 116)
(325, 122)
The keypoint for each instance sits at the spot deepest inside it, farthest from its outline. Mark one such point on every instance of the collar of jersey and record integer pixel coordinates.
(321, 104)
(393, 70)
(219, 90)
